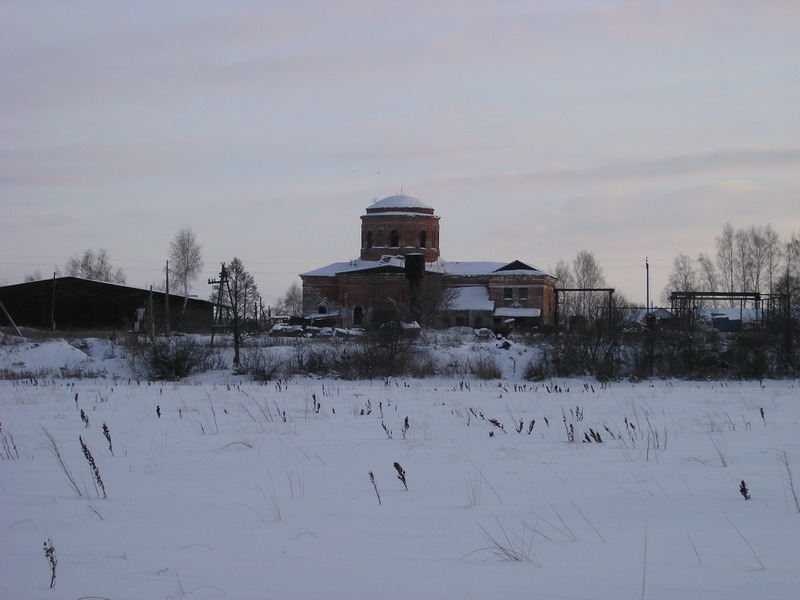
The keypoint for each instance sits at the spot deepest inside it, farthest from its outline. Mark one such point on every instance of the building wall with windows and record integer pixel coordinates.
(399, 225)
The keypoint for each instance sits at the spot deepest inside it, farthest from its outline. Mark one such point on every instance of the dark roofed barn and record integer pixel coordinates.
(72, 304)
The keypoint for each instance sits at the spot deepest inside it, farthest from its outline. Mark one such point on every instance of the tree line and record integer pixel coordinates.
(749, 259)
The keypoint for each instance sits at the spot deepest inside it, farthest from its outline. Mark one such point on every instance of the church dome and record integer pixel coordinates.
(397, 226)
(399, 202)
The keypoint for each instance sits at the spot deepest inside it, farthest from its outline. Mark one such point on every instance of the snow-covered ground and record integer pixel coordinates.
(240, 490)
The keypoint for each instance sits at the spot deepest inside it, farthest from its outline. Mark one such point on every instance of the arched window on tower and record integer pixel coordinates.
(358, 316)
(423, 239)
(394, 239)
(369, 239)
(380, 243)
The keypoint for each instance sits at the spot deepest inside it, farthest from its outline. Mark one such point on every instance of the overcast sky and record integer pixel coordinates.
(536, 129)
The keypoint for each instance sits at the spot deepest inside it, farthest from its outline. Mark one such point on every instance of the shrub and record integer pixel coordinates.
(486, 367)
(173, 357)
(52, 560)
(260, 364)
(538, 369)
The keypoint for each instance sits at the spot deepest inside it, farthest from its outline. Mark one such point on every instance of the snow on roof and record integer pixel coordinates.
(485, 268)
(320, 316)
(402, 213)
(356, 265)
(517, 312)
(448, 268)
(748, 315)
(474, 297)
(400, 201)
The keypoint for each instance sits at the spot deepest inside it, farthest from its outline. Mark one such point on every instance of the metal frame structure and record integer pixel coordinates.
(558, 290)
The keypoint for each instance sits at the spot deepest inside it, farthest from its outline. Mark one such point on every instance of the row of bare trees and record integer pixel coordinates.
(751, 259)
(95, 265)
(585, 273)
(185, 257)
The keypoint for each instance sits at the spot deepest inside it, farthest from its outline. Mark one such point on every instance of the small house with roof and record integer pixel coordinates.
(400, 271)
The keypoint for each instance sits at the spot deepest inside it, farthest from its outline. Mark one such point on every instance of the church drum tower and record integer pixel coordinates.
(397, 226)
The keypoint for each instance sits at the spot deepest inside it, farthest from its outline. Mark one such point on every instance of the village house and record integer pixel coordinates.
(400, 271)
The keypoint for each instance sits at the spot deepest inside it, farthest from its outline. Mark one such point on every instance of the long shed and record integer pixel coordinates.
(73, 303)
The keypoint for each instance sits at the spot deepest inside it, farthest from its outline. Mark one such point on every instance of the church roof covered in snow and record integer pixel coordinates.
(387, 263)
(400, 201)
(477, 268)
(397, 263)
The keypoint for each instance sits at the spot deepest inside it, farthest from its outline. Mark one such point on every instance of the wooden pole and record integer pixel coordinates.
(53, 304)
(14, 325)
(152, 318)
(166, 301)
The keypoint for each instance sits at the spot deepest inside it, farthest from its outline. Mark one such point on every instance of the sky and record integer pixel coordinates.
(536, 129)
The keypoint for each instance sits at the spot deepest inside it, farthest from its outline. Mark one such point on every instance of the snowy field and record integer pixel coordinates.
(239, 490)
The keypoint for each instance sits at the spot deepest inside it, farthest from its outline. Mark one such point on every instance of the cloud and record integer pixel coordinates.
(535, 128)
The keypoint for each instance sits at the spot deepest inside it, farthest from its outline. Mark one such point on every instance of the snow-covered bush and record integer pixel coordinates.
(486, 367)
(260, 364)
(172, 357)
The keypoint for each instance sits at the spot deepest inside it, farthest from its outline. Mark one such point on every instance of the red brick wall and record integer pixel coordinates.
(408, 225)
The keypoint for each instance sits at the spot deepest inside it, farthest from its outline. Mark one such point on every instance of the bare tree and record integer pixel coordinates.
(683, 277)
(587, 271)
(726, 264)
(708, 281)
(563, 274)
(588, 274)
(744, 266)
(291, 303)
(789, 282)
(773, 257)
(759, 254)
(96, 266)
(186, 259)
(791, 257)
(186, 262)
(435, 298)
(240, 298)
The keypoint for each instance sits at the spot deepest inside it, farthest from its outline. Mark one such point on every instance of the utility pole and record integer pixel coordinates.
(53, 304)
(650, 348)
(222, 283)
(152, 318)
(166, 301)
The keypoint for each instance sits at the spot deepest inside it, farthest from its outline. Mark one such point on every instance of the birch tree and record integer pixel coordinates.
(185, 263)
(93, 265)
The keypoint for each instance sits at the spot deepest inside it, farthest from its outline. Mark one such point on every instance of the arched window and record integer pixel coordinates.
(358, 316)
(380, 243)
(394, 239)
(322, 309)
(423, 239)
(369, 239)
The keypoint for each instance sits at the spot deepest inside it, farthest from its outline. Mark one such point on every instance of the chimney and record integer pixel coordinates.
(415, 272)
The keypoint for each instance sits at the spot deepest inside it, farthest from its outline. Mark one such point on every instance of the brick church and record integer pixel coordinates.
(400, 272)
